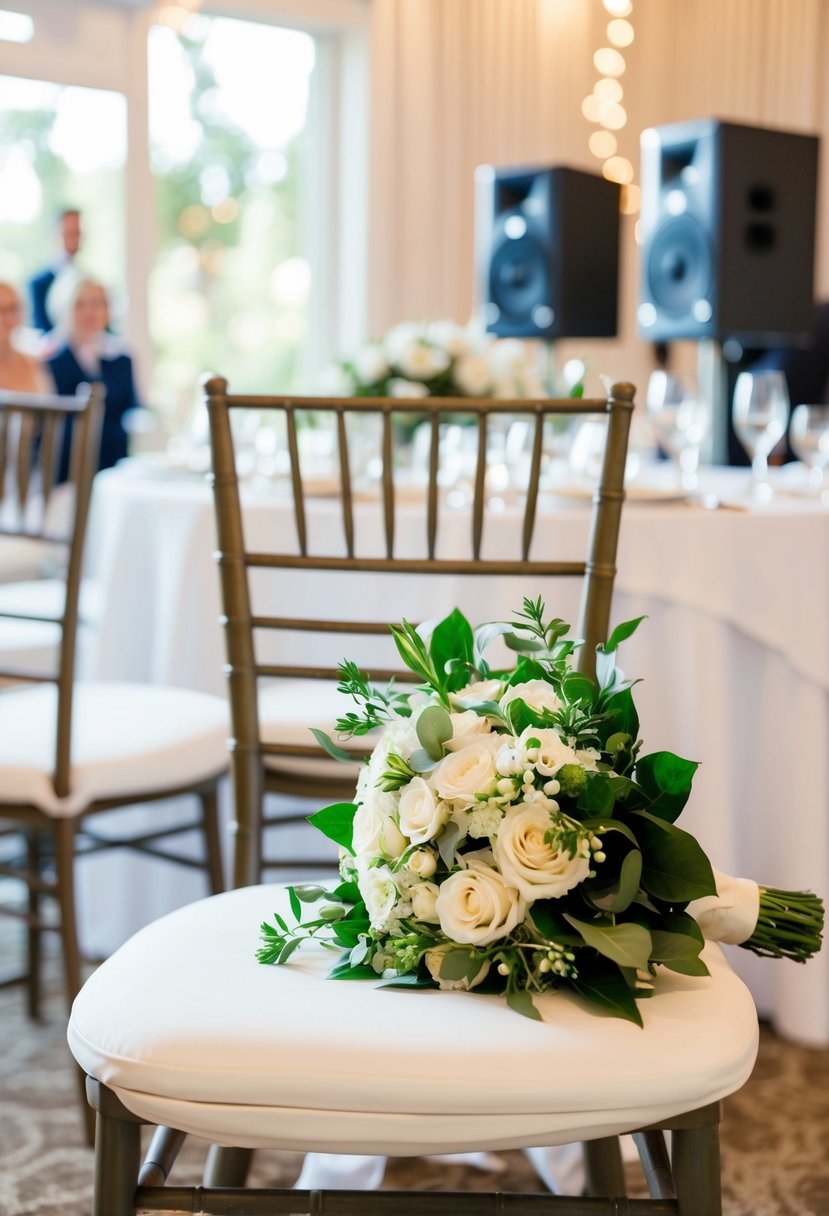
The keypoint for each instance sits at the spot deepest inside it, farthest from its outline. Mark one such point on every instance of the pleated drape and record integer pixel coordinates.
(458, 83)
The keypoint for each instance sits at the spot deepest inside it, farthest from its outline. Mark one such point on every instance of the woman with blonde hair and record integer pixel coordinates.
(19, 372)
(91, 353)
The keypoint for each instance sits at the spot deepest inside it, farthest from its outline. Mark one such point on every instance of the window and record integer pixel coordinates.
(229, 292)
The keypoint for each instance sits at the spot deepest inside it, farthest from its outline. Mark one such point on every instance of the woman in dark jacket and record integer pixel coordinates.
(91, 353)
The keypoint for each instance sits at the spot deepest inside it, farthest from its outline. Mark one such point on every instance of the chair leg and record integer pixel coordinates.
(34, 931)
(64, 831)
(603, 1164)
(117, 1158)
(212, 842)
(695, 1156)
(226, 1166)
(161, 1156)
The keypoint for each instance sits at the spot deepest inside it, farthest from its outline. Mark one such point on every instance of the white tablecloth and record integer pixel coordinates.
(734, 660)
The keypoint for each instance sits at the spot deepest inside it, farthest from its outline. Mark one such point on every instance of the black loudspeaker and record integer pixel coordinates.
(727, 232)
(547, 252)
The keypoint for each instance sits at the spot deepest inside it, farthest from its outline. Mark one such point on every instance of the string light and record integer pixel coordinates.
(603, 107)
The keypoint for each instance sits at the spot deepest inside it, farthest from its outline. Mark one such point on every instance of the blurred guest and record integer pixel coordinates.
(70, 235)
(90, 353)
(19, 372)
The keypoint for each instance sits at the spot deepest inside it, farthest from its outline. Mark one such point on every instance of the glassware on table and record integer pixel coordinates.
(760, 413)
(679, 419)
(809, 437)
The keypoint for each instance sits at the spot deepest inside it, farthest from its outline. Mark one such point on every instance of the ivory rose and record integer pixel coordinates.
(422, 815)
(536, 694)
(375, 831)
(434, 959)
(535, 867)
(424, 899)
(466, 728)
(481, 690)
(553, 752)
(475, 906)
(463, 774)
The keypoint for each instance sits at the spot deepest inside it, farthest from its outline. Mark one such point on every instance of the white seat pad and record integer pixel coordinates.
(44, 597)
(287, 711)
(126, 738)
(190, 1031)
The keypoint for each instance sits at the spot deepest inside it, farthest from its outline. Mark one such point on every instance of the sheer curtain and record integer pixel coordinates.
(456, 83)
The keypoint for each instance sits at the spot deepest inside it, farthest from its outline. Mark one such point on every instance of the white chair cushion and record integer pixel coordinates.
(44, 597)
(287, 711)
(31, 645)
(191, 1032)
(126, 739)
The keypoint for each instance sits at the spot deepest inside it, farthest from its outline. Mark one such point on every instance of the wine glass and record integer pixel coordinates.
(760, 413)
(809, 437)
(679, 421)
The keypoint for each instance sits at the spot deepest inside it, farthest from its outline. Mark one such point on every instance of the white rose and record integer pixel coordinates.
(375, 833)
(424, 899)
(481, 690)
(506, 356)
(476, 906)
(400, 337)
(422, 862)
(434, 959)
(379, 894)
(466, 727)
(472, 375)
(421, 814)
(538, 869)
(463, 774)
(447, 334)
(398, 387)
(552, 751)
(371, 364)
(420, 361)
(536, 694)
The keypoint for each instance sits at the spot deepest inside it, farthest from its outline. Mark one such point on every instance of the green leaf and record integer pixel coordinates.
(434, 728)
(293, 900)
(446, 843)
(579, 689)
(686, 966)
(421, 762)
(621, 633)
(669, 947)
(344, 971)
(599, 795)
(522, 1003)
(412, 650)
(621, 714)
(624, 892)
(629, 945)
(412, 979)
(348, 932)
(608, 991)
(336, 822)
(348, 892)
(610, 825)
(675, 867)
(287, 950)
(460, 964)
(485, 635)
(358, 952)
(667, 780)
(452, 640)
(336, 753)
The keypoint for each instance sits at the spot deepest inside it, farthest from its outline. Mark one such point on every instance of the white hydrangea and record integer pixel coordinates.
(485, 820)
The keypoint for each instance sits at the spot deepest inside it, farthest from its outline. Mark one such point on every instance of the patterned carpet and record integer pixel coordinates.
(775, 1135)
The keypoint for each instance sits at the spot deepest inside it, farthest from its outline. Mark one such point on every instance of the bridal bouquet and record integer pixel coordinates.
(507, 833)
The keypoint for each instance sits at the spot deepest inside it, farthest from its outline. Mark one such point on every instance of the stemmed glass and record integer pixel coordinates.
(679, 420)
(760, 413)
(809, 437)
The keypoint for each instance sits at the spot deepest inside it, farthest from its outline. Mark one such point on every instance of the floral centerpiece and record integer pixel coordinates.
(437, 359)
(508, 834)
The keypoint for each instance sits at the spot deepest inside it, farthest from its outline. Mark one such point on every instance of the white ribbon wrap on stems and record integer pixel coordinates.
(731, 915)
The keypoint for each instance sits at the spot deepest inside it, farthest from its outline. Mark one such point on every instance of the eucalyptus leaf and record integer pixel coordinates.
(447, 842)
(287, 950)
(358, 952)
(521, 1002)
(629, 945)
(459, 964)
(421, 762)
(309, 892)
(336, 753)
(434, 728)
(336, 822)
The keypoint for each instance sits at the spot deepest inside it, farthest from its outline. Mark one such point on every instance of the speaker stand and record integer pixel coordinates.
(549, 367)
(713, 387)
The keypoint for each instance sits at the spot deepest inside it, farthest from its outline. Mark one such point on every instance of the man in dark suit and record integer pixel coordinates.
(69, 228)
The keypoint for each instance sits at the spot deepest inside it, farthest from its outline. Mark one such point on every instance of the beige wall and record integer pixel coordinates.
(456, 83)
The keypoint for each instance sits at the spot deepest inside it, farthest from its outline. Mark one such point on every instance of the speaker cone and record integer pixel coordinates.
(518, 278)
(679, 265)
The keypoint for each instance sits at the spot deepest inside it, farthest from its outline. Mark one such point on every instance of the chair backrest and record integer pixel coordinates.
(36, 431)
(237, 561)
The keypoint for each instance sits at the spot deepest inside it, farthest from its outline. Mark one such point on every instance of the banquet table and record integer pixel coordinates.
(733, 658)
